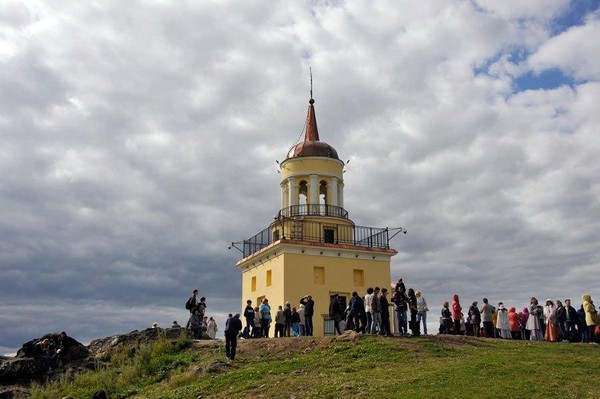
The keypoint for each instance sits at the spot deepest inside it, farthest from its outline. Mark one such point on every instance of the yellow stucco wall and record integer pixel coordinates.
(292, 277)
(305, 166)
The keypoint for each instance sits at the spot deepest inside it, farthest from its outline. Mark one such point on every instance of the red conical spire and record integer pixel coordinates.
(311, 131)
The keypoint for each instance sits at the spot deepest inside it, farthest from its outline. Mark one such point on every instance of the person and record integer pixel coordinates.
(523, 317)
(502, 322)
(265, 318)
(533, 322)
(191, 302)
(550, 317)
(295, 322)
(335, 312)
(302, 324)
(456, 313)
(487, 318)
(357, 312)
(422, 310)
(513, 321)
(570, 322)
(582, 326)
(559, 319)
(413, 308)
(155, 325)
(385, 314)
(233, 326)
(590, 316)
(309, 311)
(204, 325)
(400, 287)
(257, 326)
(194, 324)
(211, 328)
(201, 307)
(279, 322)
(249, 316)
(175, 325)
(475, 317)
(287, 319)
(446, 318)
(375, 312)
(401, 302)
(367, 300)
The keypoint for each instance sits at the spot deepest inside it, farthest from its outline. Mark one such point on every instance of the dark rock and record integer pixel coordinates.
(100, 346)
(14, 392)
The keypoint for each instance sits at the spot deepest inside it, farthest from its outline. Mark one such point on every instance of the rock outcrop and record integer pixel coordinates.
(34, 364)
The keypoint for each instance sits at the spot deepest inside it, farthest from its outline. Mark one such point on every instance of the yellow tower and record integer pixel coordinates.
(312, 247)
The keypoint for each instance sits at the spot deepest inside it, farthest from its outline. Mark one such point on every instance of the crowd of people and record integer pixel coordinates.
(200, 325)
(554, 321)
(370, 314)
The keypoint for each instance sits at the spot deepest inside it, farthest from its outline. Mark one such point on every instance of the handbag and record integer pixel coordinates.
(597, 329)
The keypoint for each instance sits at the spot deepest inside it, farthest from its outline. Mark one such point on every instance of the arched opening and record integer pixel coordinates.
(302, 197)
(323, 197)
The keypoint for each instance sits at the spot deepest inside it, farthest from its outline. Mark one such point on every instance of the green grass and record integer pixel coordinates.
(426, 367)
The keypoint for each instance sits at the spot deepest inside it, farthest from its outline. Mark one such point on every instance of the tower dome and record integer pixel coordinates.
(311, 146)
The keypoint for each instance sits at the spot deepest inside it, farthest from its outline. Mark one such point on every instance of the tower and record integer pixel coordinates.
(312, 247)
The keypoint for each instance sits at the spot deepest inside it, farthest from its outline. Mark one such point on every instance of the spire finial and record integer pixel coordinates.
(311, 94)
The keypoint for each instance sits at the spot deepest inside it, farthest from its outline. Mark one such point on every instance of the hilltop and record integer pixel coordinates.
(345, 366)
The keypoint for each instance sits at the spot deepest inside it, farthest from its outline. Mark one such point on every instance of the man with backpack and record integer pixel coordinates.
(191, 303)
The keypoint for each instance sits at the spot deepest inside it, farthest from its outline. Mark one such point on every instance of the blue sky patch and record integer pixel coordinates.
(548, 79)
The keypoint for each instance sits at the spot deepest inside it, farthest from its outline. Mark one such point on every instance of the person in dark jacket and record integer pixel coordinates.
(385, 314)
(570, 322)
(287, 318)
(581, 326)
(475, 318)
(412, 307)
(309, 311)
(357, 311)
(249, 316)
(233, 326)
(335, 312)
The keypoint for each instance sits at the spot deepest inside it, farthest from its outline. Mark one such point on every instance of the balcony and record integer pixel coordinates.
(320, 232)
(312, 210)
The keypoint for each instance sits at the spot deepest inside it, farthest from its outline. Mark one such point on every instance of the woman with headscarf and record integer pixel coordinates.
(456, 314)
(533, 322)
(590, 316)
(550, 317)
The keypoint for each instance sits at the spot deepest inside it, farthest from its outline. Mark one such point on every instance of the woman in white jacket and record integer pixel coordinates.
(211, 328)
(533, 322)
(502, 322)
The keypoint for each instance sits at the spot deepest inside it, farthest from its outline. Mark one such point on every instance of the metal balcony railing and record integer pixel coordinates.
(360, 236)
(312, 210)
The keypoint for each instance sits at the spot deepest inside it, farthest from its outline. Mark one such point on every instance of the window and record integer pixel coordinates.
(268, 278)
(253, 284)
(275, 235)
(359, 278)
(328, 236)
(319, 275)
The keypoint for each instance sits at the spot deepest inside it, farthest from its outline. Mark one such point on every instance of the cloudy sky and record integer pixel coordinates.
(138, 140)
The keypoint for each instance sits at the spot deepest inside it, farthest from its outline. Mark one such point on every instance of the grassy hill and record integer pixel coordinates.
(347, 366)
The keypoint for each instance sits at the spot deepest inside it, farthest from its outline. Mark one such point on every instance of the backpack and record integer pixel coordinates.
(189, 305)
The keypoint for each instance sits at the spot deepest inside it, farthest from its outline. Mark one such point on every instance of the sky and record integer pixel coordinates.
(138, 141)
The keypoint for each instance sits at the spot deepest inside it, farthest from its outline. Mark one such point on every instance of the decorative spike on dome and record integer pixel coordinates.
(311, 131)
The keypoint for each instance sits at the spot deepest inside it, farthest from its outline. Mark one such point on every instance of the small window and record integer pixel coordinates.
(328, 236)
(253, 284)
(268, 278)
(359, 278)
(276, 235)
(319, 275)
